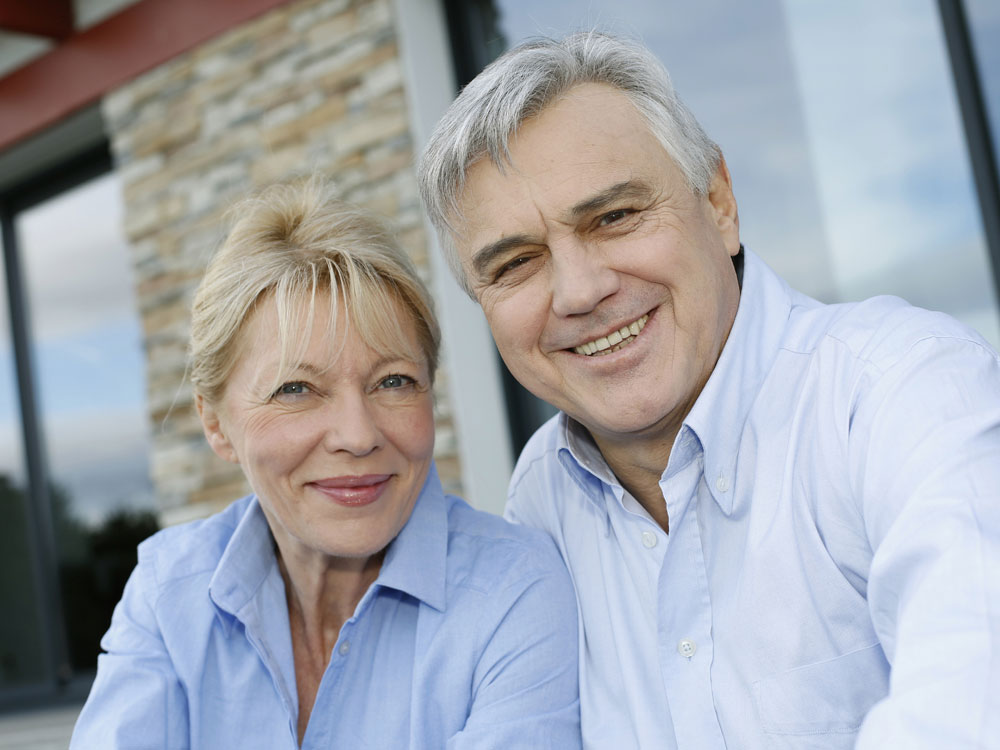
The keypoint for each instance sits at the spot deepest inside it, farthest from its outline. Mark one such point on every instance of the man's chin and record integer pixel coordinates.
(626, 425)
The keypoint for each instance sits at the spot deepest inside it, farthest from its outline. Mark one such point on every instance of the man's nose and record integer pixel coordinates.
(581, 277)
(350, 425)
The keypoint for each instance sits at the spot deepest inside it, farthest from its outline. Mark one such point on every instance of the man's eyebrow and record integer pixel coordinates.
(485, 256)
(627, 190)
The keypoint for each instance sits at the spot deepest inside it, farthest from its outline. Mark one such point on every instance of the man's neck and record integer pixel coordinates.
(639, 465)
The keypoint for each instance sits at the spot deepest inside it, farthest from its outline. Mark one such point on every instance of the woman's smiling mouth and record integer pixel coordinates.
(614, 340)
(353, 490)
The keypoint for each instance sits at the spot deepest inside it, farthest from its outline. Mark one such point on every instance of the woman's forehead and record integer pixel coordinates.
(315, 329)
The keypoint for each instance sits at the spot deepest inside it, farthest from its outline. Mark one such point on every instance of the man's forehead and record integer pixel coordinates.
(592, 119)
(564, 163)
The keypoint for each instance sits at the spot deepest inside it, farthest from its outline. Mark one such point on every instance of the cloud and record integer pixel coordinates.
(75, 260)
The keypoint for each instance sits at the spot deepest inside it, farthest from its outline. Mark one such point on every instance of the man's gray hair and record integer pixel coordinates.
(519, 85)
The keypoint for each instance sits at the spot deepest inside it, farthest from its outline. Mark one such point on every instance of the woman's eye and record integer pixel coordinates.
(395, 381)
(292, 389)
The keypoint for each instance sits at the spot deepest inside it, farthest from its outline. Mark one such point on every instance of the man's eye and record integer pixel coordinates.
(614, 216)
(395, 381)
(520, 261)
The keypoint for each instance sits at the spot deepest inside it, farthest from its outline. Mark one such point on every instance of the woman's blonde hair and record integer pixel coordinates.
(294, 241)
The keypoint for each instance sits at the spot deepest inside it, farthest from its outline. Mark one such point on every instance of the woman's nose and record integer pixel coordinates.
(351, 425)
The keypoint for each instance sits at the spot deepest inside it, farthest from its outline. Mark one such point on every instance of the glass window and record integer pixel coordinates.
(984, 22)
(841, 129)
(90, 380)
(22, 649)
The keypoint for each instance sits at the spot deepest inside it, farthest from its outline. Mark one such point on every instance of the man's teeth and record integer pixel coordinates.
(614, 340)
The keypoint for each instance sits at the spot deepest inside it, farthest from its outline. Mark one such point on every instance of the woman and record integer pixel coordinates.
(348, 602)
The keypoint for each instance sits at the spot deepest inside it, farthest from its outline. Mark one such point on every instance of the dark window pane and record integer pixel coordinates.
(22, 656)
(89, 366)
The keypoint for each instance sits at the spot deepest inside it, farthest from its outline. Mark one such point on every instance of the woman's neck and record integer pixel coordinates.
(322, 594)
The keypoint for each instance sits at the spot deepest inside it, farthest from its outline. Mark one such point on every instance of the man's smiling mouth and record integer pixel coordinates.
(614, 340)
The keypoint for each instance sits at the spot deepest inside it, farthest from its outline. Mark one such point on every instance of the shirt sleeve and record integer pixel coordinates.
(526, 691)
(137, 700)
(926, 459)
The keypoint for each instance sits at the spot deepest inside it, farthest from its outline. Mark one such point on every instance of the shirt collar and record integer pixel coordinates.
(722, 408)
(416, 560)
(246, 562)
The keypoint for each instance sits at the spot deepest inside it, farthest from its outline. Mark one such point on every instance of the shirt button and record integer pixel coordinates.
(344, 648)
(686, 648)
(722, 484)
(649, 539)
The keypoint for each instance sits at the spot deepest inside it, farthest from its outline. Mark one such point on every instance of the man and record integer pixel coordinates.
(782, 518)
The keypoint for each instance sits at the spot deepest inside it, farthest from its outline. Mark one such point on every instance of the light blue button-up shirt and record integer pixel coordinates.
(467, 639)
(831, 578)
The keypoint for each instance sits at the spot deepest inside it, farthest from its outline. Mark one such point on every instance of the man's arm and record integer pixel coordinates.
(925, 451)
(137, 700)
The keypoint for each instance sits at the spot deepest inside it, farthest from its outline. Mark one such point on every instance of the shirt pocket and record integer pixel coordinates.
(828, 697)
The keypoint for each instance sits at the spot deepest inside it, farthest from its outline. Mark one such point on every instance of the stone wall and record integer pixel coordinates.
(315, 85)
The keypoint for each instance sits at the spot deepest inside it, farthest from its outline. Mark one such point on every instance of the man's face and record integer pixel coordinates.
(591, 234)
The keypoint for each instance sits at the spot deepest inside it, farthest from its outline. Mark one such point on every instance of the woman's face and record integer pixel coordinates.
(338, 453)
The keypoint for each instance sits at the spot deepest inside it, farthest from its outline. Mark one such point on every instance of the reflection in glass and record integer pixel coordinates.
(841, 130)
(890, 156)
(22, 656)
(89, 367)
(984, 23)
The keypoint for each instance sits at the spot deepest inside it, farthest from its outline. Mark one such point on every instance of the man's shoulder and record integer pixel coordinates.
(878, 331)
(549, 489)
(192, 548)
(541, 471)
(541, 452)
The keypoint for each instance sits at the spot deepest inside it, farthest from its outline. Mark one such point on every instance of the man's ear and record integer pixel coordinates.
(723, 202)
(212, 425)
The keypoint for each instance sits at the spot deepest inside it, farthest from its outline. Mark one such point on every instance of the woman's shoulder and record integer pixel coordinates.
(194, 547)
(490, 552)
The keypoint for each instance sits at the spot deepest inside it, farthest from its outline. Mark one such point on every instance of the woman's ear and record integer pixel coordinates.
(214, 433)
